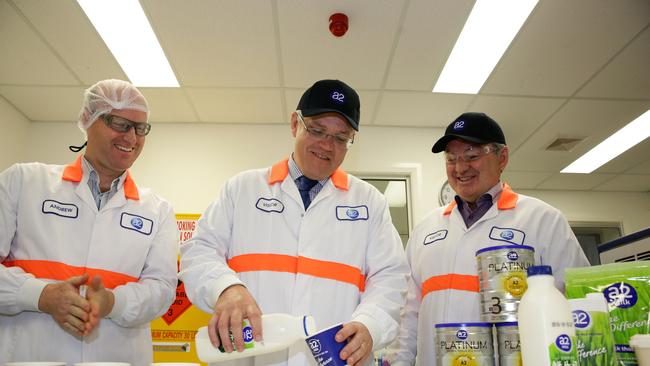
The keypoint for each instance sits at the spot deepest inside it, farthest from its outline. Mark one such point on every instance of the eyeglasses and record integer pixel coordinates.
(471, 154)
(340, 140)
(121, 124)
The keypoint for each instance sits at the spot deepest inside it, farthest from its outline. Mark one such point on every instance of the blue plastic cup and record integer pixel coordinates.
(325, 348)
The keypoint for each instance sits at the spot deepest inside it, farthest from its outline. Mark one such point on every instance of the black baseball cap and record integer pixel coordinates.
(473, 127)
(331, 96)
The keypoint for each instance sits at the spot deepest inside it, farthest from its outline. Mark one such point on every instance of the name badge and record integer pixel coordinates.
(136, 223)
(352, 213)
(509, 235)
(435, 236)
(269, 205)
(60, 209)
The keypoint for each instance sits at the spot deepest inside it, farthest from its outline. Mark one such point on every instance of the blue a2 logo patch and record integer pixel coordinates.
(509, 235)
(352, 213)
(137, 223)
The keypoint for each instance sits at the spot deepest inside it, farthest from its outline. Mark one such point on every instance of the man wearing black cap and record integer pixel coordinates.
(444, 283)
(301, 237)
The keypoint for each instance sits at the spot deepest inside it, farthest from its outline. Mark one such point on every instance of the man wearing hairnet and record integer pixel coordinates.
(87, 258)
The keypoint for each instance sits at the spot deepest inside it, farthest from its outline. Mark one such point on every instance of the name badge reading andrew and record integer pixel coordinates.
(351, 213)
(136, 223)
(269, 205)
(60, 209)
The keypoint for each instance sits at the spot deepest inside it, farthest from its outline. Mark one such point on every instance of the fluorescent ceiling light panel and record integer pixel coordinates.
(489, 29)
(616, 144)
(128, 34)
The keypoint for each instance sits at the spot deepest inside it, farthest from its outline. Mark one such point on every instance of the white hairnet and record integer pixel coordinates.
(107, 95)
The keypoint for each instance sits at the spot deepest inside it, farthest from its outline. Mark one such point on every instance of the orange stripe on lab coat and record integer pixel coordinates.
(303, 265)
(450, 281)
(61, 271)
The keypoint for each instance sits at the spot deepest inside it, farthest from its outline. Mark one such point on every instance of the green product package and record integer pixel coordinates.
(591, 346)
(626, 287)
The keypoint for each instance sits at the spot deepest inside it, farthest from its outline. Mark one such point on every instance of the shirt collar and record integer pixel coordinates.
(492, 194)
(93, 177)
(73, 172)
(295, 172)
(280, 170)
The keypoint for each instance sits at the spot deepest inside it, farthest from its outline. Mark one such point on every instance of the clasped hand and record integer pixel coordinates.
(75, 313)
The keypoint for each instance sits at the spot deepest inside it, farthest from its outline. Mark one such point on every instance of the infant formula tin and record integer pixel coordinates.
(464, 344)
(502, 280)
(509, 347)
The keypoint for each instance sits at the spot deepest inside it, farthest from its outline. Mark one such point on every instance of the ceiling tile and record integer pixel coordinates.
(626, 183)
(218, 43)
(420, 109)
(425, 41)
(169, 105)
(627, 75)
(574, 182)
(360, 58)
(50, 103)
(237, 105)
(643, 168)
(68, 31)
(26, 59)
(524, 180)
(564, 43)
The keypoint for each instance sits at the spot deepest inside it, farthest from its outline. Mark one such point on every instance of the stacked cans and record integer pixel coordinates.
(502, 283)
(464, 344)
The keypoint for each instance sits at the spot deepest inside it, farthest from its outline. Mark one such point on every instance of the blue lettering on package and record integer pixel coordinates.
(563, 343)
(461, 334)
(509, 235)
(247, 333)
(136, 223)
(53, 207)
(435, 236)
(352, 213)
(314, 346)
(512, 255)
(581, 319)
(269, 205)
(621, 295)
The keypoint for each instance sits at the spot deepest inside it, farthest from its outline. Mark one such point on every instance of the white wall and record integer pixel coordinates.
(188, 163)
(13, 135)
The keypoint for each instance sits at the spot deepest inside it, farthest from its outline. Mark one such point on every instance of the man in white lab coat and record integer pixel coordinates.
(301, 237)
(486, 212)
(87, 258)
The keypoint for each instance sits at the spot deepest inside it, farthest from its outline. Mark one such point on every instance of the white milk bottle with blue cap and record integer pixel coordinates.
(546, 331)
(279, 332)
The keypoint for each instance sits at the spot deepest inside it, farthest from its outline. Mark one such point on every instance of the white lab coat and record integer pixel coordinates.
(50, 229)
(442, 245)
(314, 262)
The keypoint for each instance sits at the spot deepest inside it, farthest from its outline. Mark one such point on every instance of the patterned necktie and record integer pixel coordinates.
(304, 186)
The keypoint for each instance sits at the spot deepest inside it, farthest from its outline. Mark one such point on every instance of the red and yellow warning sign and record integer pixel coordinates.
(173, 333)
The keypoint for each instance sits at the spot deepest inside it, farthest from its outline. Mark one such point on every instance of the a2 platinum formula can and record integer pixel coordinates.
(509, 347)
(502, 280)
(464, 344)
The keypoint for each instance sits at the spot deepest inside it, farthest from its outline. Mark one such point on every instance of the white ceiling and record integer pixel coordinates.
(578, 68)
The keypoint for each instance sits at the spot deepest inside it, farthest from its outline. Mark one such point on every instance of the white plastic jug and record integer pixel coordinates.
(546, 328)
(279, 332)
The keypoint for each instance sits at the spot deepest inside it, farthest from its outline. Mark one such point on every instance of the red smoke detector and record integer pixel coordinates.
(338, 24)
